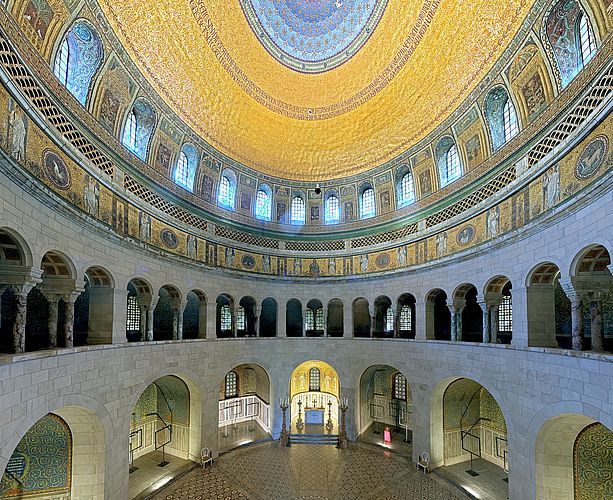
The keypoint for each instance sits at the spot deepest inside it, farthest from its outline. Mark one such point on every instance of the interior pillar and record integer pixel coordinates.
(596, 323)
(454, 330)
(211, 320)
(541, 315)
(69, 300)
(107, 316)
(282, 321)
(53, 308)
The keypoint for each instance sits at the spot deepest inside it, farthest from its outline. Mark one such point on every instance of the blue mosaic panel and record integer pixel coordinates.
(42, 461)
(313, 36)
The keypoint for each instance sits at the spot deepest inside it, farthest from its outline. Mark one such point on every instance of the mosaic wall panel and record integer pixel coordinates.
(151, 401)
(456, 402)
(42, 462)
(593, 463)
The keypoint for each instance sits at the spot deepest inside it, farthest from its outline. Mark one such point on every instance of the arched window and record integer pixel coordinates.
(187, 164)
(133, 314)
(314, 379)
(367, 203)
(263, 203)
(389, 320)
(231, 385)
(298, 212)
(227, 190)
(406, 318)
(241, 323)
(448, 160)
(332, 214)
(138, 128)
(78, 59)
(501, 117)
(400, 387)
(406, 191)
(570, 36)
(225, 318)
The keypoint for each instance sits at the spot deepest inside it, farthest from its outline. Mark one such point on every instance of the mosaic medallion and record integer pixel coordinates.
(593, 156)
(382, 260)
(248, 262)
(56, 169)
(169, 238)
(466, 235)
(313, 36)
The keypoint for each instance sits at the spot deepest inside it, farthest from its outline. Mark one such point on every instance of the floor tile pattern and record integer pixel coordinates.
(307, 472)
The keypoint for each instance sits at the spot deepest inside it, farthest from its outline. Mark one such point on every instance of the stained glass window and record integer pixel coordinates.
(298, 215)
(314, 379)
(367, 208)
(139, 128)
(333, 212)
(231, 388)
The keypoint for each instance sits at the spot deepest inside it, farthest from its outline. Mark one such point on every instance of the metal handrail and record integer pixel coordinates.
(505, 452)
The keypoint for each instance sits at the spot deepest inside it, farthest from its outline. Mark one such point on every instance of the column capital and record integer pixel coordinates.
(71, 297)
(52, 297)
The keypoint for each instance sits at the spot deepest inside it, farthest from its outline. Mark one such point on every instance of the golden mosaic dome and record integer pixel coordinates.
(317, 89)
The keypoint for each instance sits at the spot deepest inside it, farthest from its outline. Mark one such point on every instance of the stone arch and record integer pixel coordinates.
(378, 403)
(90, 425)
(248, 403)
(194, 314)
(167, 314)
(497, 293)
(405, 321)
(57, 264)
(14, 249)
(438, 316)
(294, 320)
(335, 325)
(140, 306)
(269, 311)
(554, 431)
(383, 317)
(362, 317)
(314, 318)
(467, 315)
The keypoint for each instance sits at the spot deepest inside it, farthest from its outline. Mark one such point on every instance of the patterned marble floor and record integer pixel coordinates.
(309, 472)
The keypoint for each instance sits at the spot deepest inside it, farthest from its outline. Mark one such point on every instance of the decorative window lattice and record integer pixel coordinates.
(298, 215)
(406, 318)
(241, 324)
(161, 204)
(509, 117)
(314, 379)
(309, 320)
(400, 387)
(505, 315)
(389, 320)
(367, 208)
(586, 40)
(246, 238)
(23, 79)
(263, 206)
(133, 314)
(319, 319)
(315, 246)
(225, 318)
(61, 63)
(586, 106)
(378, 238)
(473, 199)
(231, 388)
(333, 211)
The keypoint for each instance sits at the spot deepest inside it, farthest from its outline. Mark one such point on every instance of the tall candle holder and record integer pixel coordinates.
(299, 422)
(329, 424)
(342, 436)
(284, 438)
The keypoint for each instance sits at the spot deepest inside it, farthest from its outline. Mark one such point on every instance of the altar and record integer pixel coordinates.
(314, 416)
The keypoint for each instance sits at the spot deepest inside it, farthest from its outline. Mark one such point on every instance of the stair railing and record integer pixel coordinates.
(502, 444)
(159, 445)
(375, 414)
(464, 434)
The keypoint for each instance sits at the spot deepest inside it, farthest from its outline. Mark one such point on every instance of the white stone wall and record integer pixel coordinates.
(531, 385)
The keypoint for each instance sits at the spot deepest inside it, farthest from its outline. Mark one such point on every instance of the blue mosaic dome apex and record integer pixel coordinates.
(313, 36)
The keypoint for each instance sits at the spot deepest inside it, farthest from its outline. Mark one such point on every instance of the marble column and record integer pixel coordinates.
(304, 317)
(143, 322)
(257, 311)
(325, 313)
(494, 323)
(180, 313)
(454, 329)
(19, 326)
(69, 301)
(459, 324)
(372, 312)
(486, 322)
(150, 311)
(576, 313)
(233, 321)
(175, 323)
(596, 323)
(53, 308)
(397, 322)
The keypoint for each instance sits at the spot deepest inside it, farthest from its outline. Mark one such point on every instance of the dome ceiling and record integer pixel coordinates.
(314, 89)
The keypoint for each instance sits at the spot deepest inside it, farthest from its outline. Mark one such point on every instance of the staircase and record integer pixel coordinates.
(330, 439)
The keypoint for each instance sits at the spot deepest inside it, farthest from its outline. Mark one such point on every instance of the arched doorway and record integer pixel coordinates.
(438, 316)
(244, 406)
(386, 403)
(469, 437)
(574, 458)
(161, 442)
(194, 315)
(61, 456)
(314, 399)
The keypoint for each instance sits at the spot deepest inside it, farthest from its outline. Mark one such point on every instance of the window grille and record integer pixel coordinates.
(389, 320)
(309, 320)
(225, 198)
(129, 135)
(452, 164)
(298, 215)
(231, 388)
(368, 203)
(225, 318)
(407, 189)
(61, 63)
(400, 387)
(263, 207)
(241, 323)
(511, 126)
(333, 213)
(314, 379)
(133, 314)
(182, 171)
(505, 315)
(586, 40)
(319, 319)
(406, 319)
